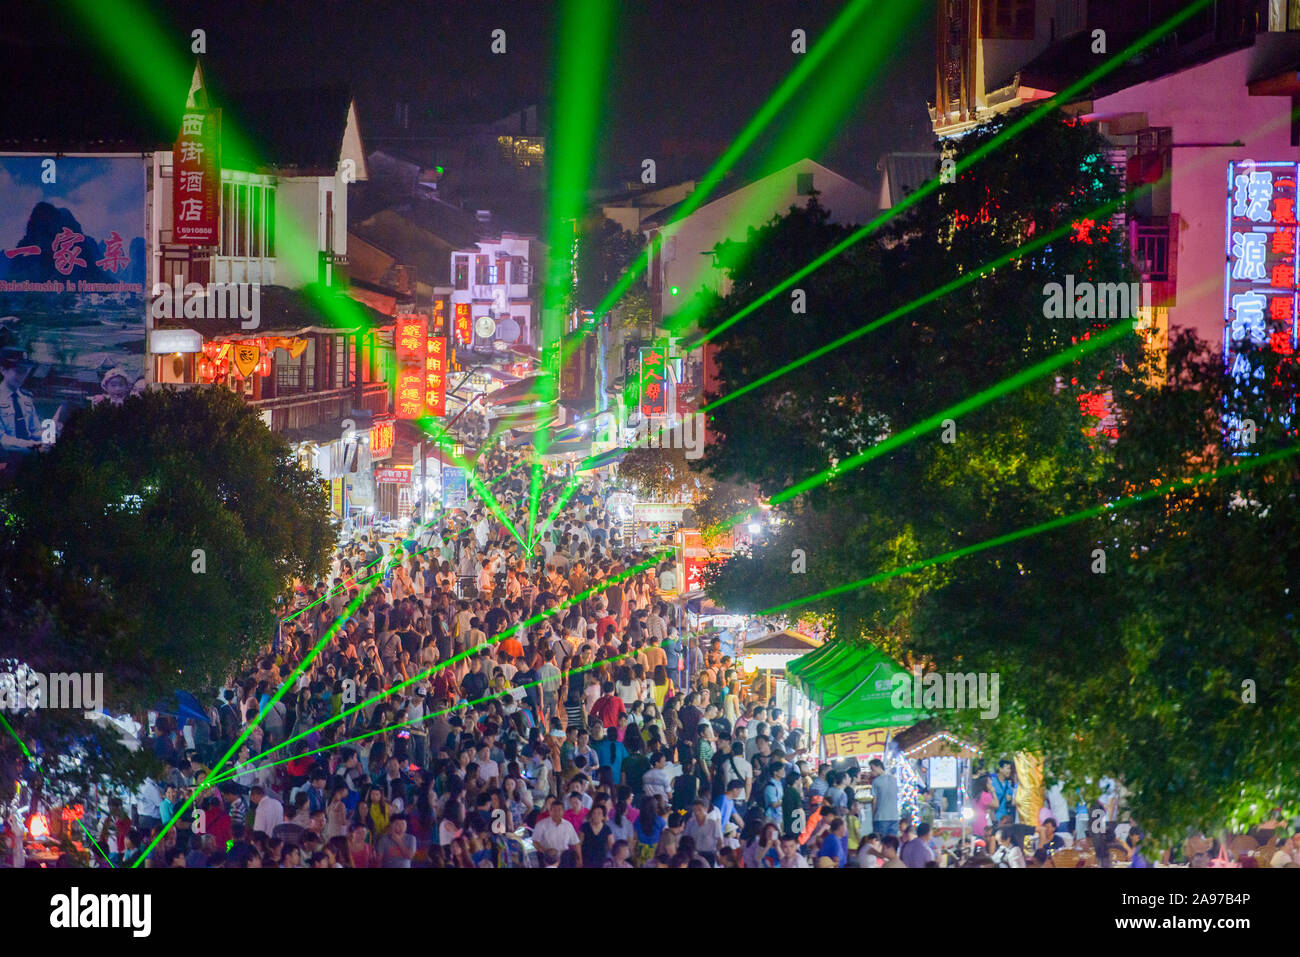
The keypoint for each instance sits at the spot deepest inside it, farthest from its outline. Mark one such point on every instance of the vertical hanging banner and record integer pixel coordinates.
(383, 434)
(435, 378)
(438, 327)
(654, 367)
(196, 179)
(464, 324)
(455, 493)
(1260, 289)
(410, 335)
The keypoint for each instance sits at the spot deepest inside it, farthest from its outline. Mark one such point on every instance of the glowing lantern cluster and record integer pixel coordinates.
(245, 356)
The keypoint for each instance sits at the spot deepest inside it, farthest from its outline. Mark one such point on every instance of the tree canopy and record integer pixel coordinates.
(1120, 646)
(151, 544)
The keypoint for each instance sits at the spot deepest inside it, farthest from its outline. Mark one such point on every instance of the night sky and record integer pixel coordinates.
(684, 75)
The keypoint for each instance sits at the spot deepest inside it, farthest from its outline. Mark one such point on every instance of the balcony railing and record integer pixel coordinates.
(1154, 244)
(1151, 252)
(313, 408)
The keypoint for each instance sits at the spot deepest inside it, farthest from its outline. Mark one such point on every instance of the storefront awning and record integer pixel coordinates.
(527, 421)
(854, 685)
(606, 458)
(782, 641)
(533, 389)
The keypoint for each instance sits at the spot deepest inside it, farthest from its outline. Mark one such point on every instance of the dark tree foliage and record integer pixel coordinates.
(98, 571)
(1136, 671)
(605, 250)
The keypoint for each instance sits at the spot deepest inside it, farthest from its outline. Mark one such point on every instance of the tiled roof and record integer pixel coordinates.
(904, 172)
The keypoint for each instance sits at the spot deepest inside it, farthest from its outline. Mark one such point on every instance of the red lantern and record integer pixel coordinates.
(207, 368)
(264, 365)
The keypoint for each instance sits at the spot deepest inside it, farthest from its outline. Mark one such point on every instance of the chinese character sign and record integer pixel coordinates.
(654, 381)
(410, 340)
(73, 268)
(382, 434)
(1260, 289)
(196, 179)
(464, 324)
(692, 571)
(247, 355)
(438, 327)
(435, 377)
(455, 493)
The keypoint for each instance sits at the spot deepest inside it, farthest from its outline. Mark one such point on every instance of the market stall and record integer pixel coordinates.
(851, 687)
(765, 659)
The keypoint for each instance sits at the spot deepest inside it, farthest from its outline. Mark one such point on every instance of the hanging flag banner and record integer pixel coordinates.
(410, 337)
(196, 179)
(654, 397)
(247, 356)
(435, 378)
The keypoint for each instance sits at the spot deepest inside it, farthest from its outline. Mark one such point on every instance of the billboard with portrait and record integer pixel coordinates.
(73, 268)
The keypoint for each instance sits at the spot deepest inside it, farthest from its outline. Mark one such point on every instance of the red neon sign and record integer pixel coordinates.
(435, 377)
(409, 338)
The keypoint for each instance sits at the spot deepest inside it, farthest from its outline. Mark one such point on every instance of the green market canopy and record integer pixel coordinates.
(853, 685)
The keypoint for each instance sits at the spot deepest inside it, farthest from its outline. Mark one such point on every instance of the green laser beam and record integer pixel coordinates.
(833, 96)
(512, 630)
(1058, 522)
(808, 63)
(966, 163)
(234, 748)
(1018, 253)
(96, 844)
(332, 592)
(145, 55)
(13, 734)
(585, 33)
(477, 485)
(460, 706)
(912, 306)
(1032, 246)
(441, 438)
(555, 511)
(998, 389)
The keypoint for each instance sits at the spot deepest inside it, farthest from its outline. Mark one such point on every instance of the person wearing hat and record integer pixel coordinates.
(20, 427)
(116, 385)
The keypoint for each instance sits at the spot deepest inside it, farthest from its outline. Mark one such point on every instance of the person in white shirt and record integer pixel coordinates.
(1007, 854)
(790, 856)
(1055, 806)
(656, 782)
(554, 833)
(149, 801)
(269, 814)
(487, 768)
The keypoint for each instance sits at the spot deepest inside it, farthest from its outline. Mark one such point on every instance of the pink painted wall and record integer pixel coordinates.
(1210, 104)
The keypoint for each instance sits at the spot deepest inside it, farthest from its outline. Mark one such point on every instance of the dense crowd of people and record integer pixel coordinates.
(545, 711)
(464, 704)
